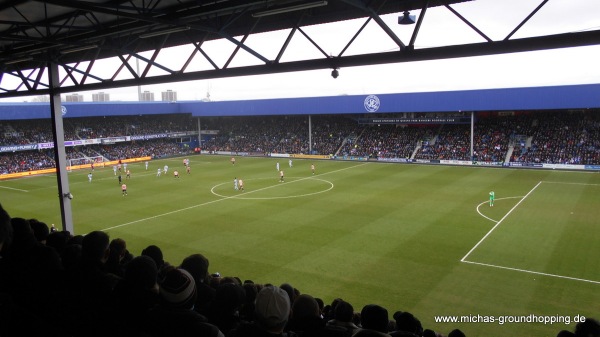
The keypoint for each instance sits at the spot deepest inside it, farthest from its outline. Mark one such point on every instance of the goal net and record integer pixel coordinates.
(79, 163)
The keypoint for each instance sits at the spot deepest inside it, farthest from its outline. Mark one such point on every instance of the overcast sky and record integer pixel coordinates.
(494, 18)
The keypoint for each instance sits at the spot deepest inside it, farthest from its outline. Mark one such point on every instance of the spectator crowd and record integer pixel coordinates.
(526, 137)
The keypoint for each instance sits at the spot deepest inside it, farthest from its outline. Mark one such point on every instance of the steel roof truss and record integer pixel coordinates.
(24, 79)
(526, 19)
(215, 66)
(124, 63)
(413, 38)
(285, 44)
(355, 36)
(28, 22)
(313, 42)
(242, 43)
(193, 53)
(69, 74)
(153, 59)
(38, 77)
(243, 46)
(463, 19)
(89, 67)
(375, 16)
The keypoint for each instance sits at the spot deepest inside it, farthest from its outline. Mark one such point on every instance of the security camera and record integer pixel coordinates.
(335, 73)
(68, 195)
(406, 19)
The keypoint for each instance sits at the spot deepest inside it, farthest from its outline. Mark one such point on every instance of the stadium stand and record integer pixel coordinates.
(562, 138)
(516, 137)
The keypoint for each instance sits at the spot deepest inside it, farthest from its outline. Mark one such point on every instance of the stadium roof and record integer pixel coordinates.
(75, 35)
(507, 99)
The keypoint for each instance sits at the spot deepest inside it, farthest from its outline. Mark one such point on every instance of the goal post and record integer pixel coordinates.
(85, 162)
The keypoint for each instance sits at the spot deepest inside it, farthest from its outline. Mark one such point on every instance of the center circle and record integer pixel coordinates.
(267, 184)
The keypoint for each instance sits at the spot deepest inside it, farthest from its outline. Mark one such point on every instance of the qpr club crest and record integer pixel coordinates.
(372, 103)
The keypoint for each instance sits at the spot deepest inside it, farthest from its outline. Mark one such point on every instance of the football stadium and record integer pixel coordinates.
(421, 204)
(396, 215)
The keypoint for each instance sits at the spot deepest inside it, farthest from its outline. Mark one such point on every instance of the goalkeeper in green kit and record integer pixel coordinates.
(492, 197)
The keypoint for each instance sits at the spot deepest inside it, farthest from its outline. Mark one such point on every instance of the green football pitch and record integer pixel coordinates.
(409, 237)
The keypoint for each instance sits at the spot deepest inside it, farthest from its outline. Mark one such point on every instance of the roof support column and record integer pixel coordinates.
(60, 156)
(199, 134)
(309, 134)
(472, 133)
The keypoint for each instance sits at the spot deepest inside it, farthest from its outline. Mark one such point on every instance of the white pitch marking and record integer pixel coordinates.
(14, 189)
(517, 269)
(566, 183)
(531, 272)
(485, 202)
(211, 202)
(242, 195)
(500, 221)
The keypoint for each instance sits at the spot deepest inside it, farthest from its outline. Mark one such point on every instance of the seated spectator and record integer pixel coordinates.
(456, 333)
(197, 266)
(40, 230)
(8, 308)
(87, 289)
(343, 317)
(272, 311)
(247, 310)
(174, 315)
(589, 328)
(374, 317)
(225, 308)
(6, 232)
(407, 325)
(155, 253)
(70, 255)
(134, 296)
(118, 257)
(306, 320)
(57, 240)
(34, 265)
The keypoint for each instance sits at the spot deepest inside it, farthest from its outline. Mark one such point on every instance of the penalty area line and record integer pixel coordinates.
(167, 213)
(532, 272)
(500, 221)
(14, 189)
(568, 183)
